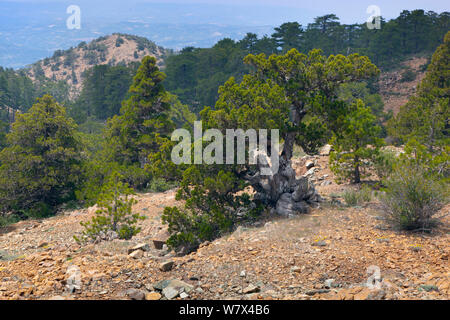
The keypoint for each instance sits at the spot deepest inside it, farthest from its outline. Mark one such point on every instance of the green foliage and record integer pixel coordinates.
(8, 219)
(383, 163)
(350, 92)
(435, 162)
(425, 116)
(413, 197)
(104, 88)
(115, 213)
(16, 91)
(195, 74)
(288, 36)
(119, 41)
(210, 209)
(408, 75)
(264, 99)
(143, 124)
(358, 197)
(41, 166)
(160, 185)
(180, 114)
(356, 144)
(136, 144)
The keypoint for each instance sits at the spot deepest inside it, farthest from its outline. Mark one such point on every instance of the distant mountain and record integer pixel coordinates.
(32, 31)
(22, 46)
(116, 49)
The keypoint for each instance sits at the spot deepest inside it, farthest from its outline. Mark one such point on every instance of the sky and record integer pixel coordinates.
(33, 29)
(350, 11)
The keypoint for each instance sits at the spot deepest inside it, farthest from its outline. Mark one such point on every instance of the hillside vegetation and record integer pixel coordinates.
(117, 49)
(127, 210)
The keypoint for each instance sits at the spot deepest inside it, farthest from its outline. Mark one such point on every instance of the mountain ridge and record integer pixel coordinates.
(115, 49)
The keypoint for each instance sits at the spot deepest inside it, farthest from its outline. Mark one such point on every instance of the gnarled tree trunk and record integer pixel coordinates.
(288, 194)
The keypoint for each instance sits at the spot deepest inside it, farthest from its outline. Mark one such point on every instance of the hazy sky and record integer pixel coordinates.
(349, 11)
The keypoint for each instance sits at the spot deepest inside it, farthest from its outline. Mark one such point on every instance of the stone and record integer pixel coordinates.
(429, 288)
(316, 291)
(320, 243)
(73, 281)
(170, 293)
(166, 266)
(362, 295)
(329, 283)
(250, 289)
(309, 164)
(310, 172)
(325, 150)
(57, 298)
(135, 294)
(296, 269)
(43, 244)
(286, 206)
(242, 275)
(140, 247)
(184, 295)
(136, 254)
(152, 296)
(158, 244)
(175, 283)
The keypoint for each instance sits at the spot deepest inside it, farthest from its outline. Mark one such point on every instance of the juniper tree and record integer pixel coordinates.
(40, 168)
(283, 92)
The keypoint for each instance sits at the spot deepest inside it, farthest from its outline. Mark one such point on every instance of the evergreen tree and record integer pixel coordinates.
(40, 167)
(426, 115)
(356, 144)
(288, 36)
(281, 93)
(143, 124)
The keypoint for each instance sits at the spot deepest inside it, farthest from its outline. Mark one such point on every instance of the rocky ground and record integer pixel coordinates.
(394, 91)
(334, 252)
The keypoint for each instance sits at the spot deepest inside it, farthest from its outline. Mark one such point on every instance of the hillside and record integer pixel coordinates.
(397, 86)
(322, 255)
(116, 49)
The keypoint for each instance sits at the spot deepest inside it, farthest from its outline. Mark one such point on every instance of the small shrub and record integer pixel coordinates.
(119, 41)
(412, 198)
(351, 198)
(8, 219)
(357, 197)
(408, 76)
(383, 163)
(189, 226)
(39, 210)
(160, 185)
(365, 194)
(115, 213)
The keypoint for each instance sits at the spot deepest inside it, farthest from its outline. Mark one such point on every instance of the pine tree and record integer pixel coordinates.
(426, 115)
(356, 143)
(143, 121)
(40, 167)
